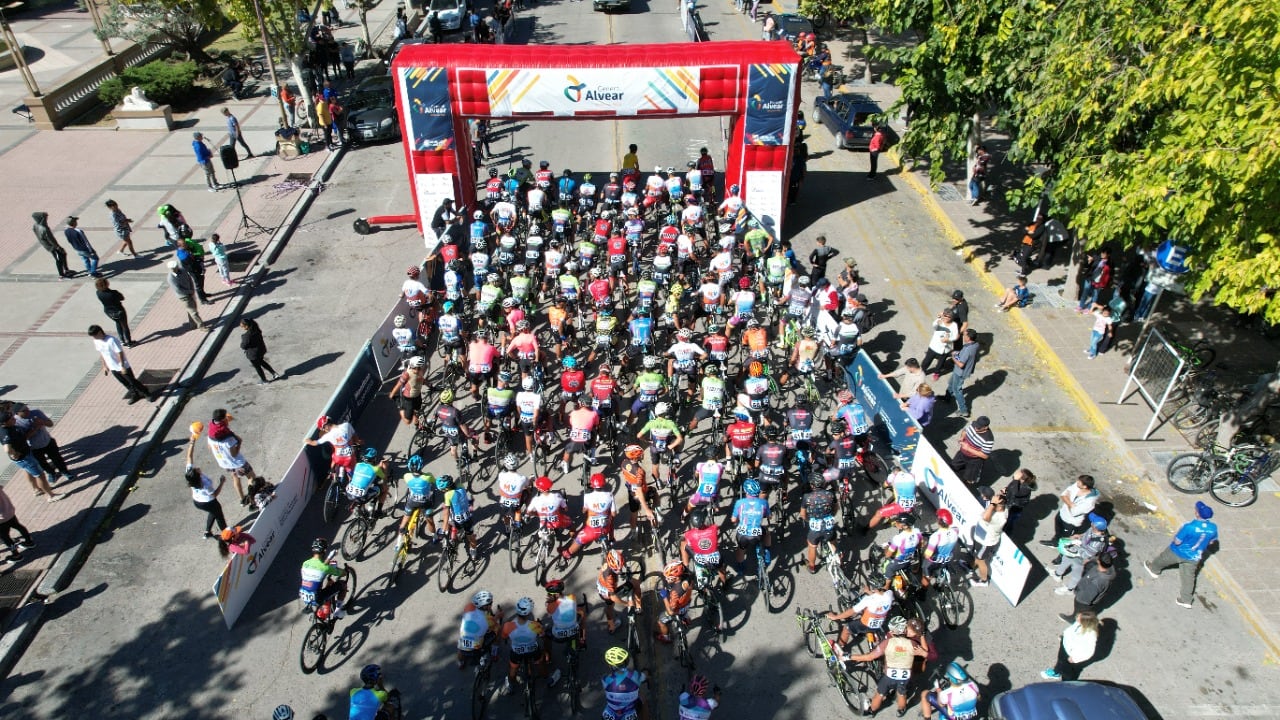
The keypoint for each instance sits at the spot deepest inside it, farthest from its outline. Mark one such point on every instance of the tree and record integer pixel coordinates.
(177, 24)
(283, 30)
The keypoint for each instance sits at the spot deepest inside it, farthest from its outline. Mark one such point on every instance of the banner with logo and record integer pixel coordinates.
(769, 94)
(386, 355)
(593, 91)
(425, 98)
(876, 396)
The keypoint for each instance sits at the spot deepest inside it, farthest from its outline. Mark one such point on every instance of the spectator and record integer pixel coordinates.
(225, 446)
(204, 158)
(219, 253)
(1076, 552)
(965, 361)
(8, 522)
(631, 161)
(1018, 492)
(114, 361)
(1053, 240)
(324, 120)
(255, 349)
(235, 540)
(184, 288)
(290, 102)
(909, 377)
(15, 443)
(348, 57)
(945, 334)
(874, 147)
(113, 306)
(191, 254)
(920, 405)
(231, 78)
(204, 494)
(975, 447)
(987, 533)
(1026, 249)
(1098, 279)
(1078, 501)
(1017, 296)
(46, 239)
(819, 258)
(960, 310)
(36, 425)
(981, 163)
(1187, 552)
(120, 223)
(1079, 641)
(80, 243)
(234, 133)
(434, 26)
(1093, 586)
(1103, 326)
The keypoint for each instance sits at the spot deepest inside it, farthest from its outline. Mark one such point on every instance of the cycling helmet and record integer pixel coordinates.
(844, 397)
(614, 560)
(698, 519)
(446, 396)
(518, 269)
(524, 607)
(597, 272)
(598, 482)
(606, 311)
(493, 172)
(613, 176)
(370, 454)
(956, 674)
(414, 464)
(400, 321)
(477, 215)
(571, 267)
(673, 570)
(1098, 522)
(510, 461)
(691, 164)
(633, 211)
(417, 361)
(803, 280)
(806, 331)
(712, 371)
(567, 172)
(444, 482)
(633, 452)
(413, 271)
(570, 362)
(847, 312)
(744, 282)
(371, 674)
(283, 712)
(839, 430)
(773, 432)
(661, 409)
(897, 625)
(482, 599)
(740, 413)
(733, 189)
(907, 519)
(509, 303)
(650, 362)
(684, 334)
(755, 369)
(447, 307)
(554, 587)
(319, 545)
(714, 327)
(753, 323)
(605, 371)
(750, 487)
(698, 685)
(543, 484)
(478, 245)
(506, 376)
(543, 164)
(646, 275)
(944, 517)
(616, 656)
(672, 219)
(522, 325)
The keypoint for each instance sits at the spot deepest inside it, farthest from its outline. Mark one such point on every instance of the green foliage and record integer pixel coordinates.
(165, 82)
(177, 23)
(279, 18)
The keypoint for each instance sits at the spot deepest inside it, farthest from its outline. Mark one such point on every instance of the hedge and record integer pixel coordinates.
(165, 82)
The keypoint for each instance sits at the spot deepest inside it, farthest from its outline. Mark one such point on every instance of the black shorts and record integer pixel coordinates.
(703, 413)
(574, 447)
(476, 378)
(767, 479)
(463, 526)
(855, 626)
(454, 439)
(408, 404)
(748, 541)
(984, 552)
(886, 684)
(633, 499)
(817, 537)
(410, 504)
(516, 658)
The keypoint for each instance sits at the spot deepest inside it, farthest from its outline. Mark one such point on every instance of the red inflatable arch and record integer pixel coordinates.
(439, 87)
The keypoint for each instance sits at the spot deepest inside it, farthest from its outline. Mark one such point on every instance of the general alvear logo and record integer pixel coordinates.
(577, 92)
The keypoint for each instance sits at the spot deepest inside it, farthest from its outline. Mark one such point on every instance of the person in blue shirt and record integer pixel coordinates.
(1187, 552)
(749, 514)
(368, 477)
(373, 696)
(204, 158)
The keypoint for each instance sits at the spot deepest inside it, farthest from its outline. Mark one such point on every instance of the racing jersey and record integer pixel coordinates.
(419, 488)
(741, 435)
(365, 703)
(601, 231)
(525, 636)
(641, 330)
(711, 293)
(490, 294)
(450, 329)
(480, 357)
(678, 593)
(960, 700)
(599, 508)
(731, 205)
(550, 508)
(568, 286)
(806, 351)
(504, 214)
(684, 246)
(314, 571)
(775, 269)
(855, 418)
(572, 381)
(675, 186)
(750, 513)
(693, 707)
(717, 347)
(744, 301)
(602, 390)
(587, 189)
(706, 476)
(645, 290)
(694, 178)
(904, 488)
(873, 608)
(535, 199)
(581, 424)
(458, 501)
(798, 301)
(543, 177)
(905, 544)
(479, 264)
(520, 287)
(633, 475)
(479, 231)
(632, 229)
(757, 390)
(685, 355)
(362, 477)
(339, 436)
(473, 628)
(564, 617)
(560, 218)
(722, 264)
(800, 424)
(528, 403)
(447, 416)
(704, 544)
(691, 216)
(847, 339)
(493, 189)
(942, 544)
(599, 290)
(552, 260)
(773, 459)
(499, 399)
(414, 292)
(898, 657)
(712, 393)
(586, 252)
(661, 431)
(650, 385)
(617, 249)
(605, 325)
(511, 485)
(622, 692)
(404, 338)
(757, 341)
(819, 508)
(846, 452)
(756, 239)
(525, 346)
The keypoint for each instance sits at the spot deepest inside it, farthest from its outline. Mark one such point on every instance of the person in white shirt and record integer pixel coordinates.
(115, 362)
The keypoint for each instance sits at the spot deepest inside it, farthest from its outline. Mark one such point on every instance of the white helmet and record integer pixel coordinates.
(477, 215)
(524, 607)
(527, 383)
(417, 361)
(803, 279)
(661, 409)
(400, 321)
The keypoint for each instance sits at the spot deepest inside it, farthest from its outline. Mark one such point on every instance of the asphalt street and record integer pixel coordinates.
(149, 641)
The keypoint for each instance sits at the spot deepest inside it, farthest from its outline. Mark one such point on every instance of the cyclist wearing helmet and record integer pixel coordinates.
(701, 545)
(492, 189)
(457, 508)
(616, 252)
(449, 420)
(566, 185)
(772, 457)
(343, 438)
(743, 302)
(955, 696)
(369, 478)
(524, 347)
(797, 296)
(664, 434)
(415, 294)
(565, 613)
(646, 290)
(499, 400)
(706, 481)
(855, 420)
(561, 220)
(406, 338)
(535, 204)
(528, 412)
(776, 271)
(818, 511)
(903, 485)
(513, 488)
(611, 193)
(757, 243)
(481, 362)
(899, 652)
(740, 438)
(549, 506)
(804, 355)
(902, 551)
(322, 581)
(368, 700)
(586, 248)
(420, 488)
(649, 385)
(868, 615)
(526, 638)
(558, 323)
(692, 220)
(711, 394)
(683, 361)
(750, 514)
(605, 329)
(711, 292)
(479, 627)
(616, 586)
(941, 547)
(450, 326)
(503, 216)
(842, 453)
(755, 388)
(732, 207)
(622, 687)
(453, 284)
(599, 509)
(674, 186)
(600, 289)
(694, 703)
(640, 332)
(582, 427)
(407, 392)
(568, 284)
(480, 262)
(677, 596)
(603, 390)
(490, 296)
(756, 340)
(586, 196)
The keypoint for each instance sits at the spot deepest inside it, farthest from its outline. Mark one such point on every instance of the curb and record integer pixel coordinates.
(27, 619)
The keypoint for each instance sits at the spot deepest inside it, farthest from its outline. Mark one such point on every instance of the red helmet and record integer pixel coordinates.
(598, 482)
(543, 483)
(744, 283)
(322, 421)
(413, 271)
(944, 517)
(845, 396)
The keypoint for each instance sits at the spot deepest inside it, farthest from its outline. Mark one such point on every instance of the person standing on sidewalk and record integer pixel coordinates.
(1078, 501)
(960, 310)
(191, 255)
(204, 158)
(8, 522)
(80, 243)
(204, 494)
(255, 349)
(1093, 586)
(234, 133)
(975, 447)
(184, 288)
(1098, 279)
(15, 444)
(122, 224)
(43, 446)
(113, 306)
(1019, 491)
(965, 361)
(1187, 552)
(945, 334)
(114, 362)
(987, 533)
(874, 147)
(1079, 641)
(46, 239)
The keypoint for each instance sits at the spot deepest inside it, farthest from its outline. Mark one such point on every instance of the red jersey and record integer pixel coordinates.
(602, 388)
(600, 290)
(603, 228)
(572, 381)
(716, 344)
(493, 188)
(617, 246)
(741, 434)
(543, 176)
(703, 542)
(448, 253)
(668, 234)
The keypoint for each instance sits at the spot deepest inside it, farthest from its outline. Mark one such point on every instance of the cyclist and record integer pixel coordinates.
(535, 205)
(611, 193)
(552, 262)
(941, 547)
(492, 188)
(677, 597)
(901, 552)
(451, 426)
(855, 419)
(650, 384)
(317, 580)
(561, 219)
(450, 326)
(616, 252)
(565, 614)
(646, 289)
(599, 510)
(866, 616)
(740, 438)
(458, 508)
(525, 637)
(616, 587)
(817, 510)
(603, 397)
(776, 272)
(582, 425)
(407, 392)
(549, 506)
(755, 386)
(904, 497)
(406, 338)
(528, 412)
(847, 340)
(744, 302)
(899, 652)
(757, 242)
(711, 290)
(587, 255)
(371, 700)
(499, 400)
(750, 514)
(701, 545)
(503, 215)
(640, 335)
(707, 475)
(415, 294)
(664, 434)
(343, 438)
(420, 487)
(512, 314)
(481, 362)
(756, 340)
(478, 628)
(772, 456)
(711, 394)
(524, 347)
(721, 266)
(717, 344)
(638, 490)
(368, 479)
(557, 322)
(568, 283)
(694, 703)
(606, 324)
(520, 284)
(622, 689)
(513, 489)
(804, 356)
(684, 357)
(955, 696)
(844, 451)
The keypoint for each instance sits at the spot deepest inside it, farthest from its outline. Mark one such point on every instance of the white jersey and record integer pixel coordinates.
(692, 215)
(547, 505)
(414, 291)
(339, 436)
(512, 485)
(654, 184)
(711, 293)
(528, 403)
(685, 354)
(536, 199)
(599, 507)
(221, 450)
(404, 338)
(731, 205)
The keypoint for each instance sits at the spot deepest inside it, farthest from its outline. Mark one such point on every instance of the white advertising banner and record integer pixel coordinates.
(565, 92)
(1009, 567)
(764, 198)
(385, 352)
(431, 190)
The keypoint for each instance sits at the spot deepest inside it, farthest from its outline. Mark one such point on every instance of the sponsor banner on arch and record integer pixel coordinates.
(426, 100)
(769, 93)
(566, 92)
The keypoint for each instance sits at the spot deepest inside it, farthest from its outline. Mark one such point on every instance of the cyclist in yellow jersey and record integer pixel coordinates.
(803, 356)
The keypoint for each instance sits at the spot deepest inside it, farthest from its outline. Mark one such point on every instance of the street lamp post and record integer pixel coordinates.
(271, 65)
(14, 47)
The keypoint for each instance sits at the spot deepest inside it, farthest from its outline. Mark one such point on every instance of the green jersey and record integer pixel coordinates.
(650, 385)
(775, 269)
(520, 287)
(500, 398)
(712, 393)
(489, 295)
(756, 240)
(661, 431)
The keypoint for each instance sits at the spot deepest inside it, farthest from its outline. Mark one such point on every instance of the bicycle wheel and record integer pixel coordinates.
(682, 645)
(762, 578)
(399, 558)
(1233, 489)
(354, 537)
(480, 691)
(1192, 415)
(1190, 473)
(313, 648)
(857, 686)
(571, 677)
(421, 438)
(1200, 355)
(955, 606)
(332, 500)
(530, 707)
(513, 548)
(353, 589)
(444, 566)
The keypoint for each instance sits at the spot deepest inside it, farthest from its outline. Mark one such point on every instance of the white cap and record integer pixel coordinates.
(173, 264)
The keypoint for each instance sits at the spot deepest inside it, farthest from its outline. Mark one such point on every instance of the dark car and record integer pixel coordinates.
(371, 111)
(606, 5)
(1066, 701)
(791, 25)
(849, 116)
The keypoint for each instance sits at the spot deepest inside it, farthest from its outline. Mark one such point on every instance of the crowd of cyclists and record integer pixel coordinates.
(574, 328)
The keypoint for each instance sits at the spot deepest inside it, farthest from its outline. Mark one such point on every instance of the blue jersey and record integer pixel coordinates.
(512, 186)
(744, 302)
(641, 330)
(904, 489)
(363, 476)
(708, 477)
(419, 487)
(1193, 539)
(478, 230)
(459, 504)
(365, 704)
(565, 186)
(855, 418)
(750, 514)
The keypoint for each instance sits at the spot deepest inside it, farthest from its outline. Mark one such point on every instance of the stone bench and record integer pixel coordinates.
(159, 119)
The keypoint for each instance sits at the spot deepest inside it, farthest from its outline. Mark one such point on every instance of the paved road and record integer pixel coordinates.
(152, 644)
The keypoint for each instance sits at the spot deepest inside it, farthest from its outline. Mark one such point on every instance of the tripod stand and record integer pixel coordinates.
(246, 222)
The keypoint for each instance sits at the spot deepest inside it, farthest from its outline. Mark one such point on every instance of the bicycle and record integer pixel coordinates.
(449, 556)
(646, 537)
(857, 685)
(1193, 473)
(316, 640)
(572, 684)
(355, 536)
(1239, 488)
(846, 590)
(337, 483)
(511, 532)
(1199, 354)
(952, 599)
(680, 641)
(542, 545)
(706, 583)
(404, 545)
(482, 685)
(524, 675)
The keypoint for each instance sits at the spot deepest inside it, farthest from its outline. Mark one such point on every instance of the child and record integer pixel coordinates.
(219, 253)
(261, 491)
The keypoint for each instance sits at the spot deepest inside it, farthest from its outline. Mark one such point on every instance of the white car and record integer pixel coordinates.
(451, 12)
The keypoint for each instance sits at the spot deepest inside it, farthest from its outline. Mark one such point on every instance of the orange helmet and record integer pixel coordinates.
(755, 369)
(614, 560)
(633, 452)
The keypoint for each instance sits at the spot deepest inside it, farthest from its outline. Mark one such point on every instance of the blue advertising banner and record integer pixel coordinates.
(426, 101)
(769, 94)
(876, 396)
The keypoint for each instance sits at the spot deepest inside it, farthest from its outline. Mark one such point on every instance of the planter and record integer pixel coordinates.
(159, 119)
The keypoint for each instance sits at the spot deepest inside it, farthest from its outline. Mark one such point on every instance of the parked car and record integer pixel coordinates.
(451, 12)
(371, 111)
(606, 5)
(849, 116)
(1065, 701)
(791, 25)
